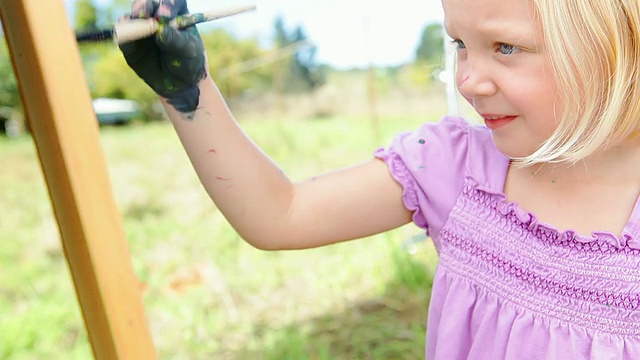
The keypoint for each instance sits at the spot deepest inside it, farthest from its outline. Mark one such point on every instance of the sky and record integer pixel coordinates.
(347, 33)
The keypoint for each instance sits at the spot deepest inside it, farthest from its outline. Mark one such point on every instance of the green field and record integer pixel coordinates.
(209, 295)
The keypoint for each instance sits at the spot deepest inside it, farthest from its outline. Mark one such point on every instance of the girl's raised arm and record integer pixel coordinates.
(263, 205)
(260, 202)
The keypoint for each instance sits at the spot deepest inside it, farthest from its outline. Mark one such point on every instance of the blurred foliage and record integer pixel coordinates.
(225, 55)
(237, 65)
(92, 14)
(431, 46)
(110, 76)
(9, 95)
(429, 53)
(86, 16)
(303, 73)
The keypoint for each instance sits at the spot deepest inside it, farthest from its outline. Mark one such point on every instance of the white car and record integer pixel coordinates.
(115, 111)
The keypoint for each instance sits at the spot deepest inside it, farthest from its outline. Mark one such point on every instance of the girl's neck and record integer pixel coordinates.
(620, 163)
(598, 193)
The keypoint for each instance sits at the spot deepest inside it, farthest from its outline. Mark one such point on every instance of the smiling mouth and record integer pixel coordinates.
(493, 122)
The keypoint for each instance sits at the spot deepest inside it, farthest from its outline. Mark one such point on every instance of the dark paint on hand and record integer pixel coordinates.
(172, 62)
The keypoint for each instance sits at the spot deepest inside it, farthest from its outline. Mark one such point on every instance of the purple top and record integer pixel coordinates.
(508, 286)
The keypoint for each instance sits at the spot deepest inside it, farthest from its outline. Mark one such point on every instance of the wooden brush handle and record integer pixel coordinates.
(134, 29)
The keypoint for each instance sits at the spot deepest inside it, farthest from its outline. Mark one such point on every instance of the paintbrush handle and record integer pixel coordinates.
(187, 20)
(135, 29)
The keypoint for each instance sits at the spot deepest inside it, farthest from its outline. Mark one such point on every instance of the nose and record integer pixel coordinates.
(474, 80)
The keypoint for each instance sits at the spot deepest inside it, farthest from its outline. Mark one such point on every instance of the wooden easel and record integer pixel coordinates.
(58, 107)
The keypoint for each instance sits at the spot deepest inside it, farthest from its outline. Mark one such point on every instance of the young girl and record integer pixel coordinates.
(535, 215)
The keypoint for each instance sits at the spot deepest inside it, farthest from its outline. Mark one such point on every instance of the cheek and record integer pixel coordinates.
(547, 92)
(541, 110)
(550, 107)
(461, 79)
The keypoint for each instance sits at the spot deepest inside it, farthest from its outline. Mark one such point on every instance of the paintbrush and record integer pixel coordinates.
(135, 29)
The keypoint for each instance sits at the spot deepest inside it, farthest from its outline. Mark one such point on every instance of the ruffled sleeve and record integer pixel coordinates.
(432, 163)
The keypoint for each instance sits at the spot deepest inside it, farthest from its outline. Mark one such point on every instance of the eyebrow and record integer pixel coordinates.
(513, 31)
(502, 27)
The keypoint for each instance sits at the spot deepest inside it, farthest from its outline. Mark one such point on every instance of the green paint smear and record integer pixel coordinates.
(189, 20)
(168, 85)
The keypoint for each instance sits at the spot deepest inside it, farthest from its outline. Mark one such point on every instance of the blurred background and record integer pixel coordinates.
(318, 85)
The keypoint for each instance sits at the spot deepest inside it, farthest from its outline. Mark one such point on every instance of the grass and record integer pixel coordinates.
(209, 295)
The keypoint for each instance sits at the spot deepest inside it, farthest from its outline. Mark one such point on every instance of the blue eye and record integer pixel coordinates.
(459, 44)
(506, 49)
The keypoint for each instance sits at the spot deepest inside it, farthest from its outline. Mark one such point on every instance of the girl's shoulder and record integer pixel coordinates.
(433, 162)
(456, 148)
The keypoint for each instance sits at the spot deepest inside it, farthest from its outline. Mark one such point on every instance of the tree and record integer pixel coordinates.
(431, 47)
(89, 17)
(9, 94)
(229, 61)
(86, 18)
(304, 74)
(118, 8)
(110, 76)
(11, 112)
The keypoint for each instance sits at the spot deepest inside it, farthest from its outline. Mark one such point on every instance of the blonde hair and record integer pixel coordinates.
(594, 49)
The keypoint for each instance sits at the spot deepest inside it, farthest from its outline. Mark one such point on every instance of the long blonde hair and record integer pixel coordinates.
(594, 49)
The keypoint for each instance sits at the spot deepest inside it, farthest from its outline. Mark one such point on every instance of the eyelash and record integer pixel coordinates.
(499, 46)
(457, 43)
(512, 48)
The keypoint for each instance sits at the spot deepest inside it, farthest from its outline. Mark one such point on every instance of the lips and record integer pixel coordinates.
(496, 121)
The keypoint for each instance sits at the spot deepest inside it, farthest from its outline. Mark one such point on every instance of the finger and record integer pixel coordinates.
(172, 8)
(139, 52)
(143, 8)
(186, 42)
(123, 18)
(187, 100)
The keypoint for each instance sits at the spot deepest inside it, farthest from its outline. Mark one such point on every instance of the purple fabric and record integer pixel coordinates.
(508, 286)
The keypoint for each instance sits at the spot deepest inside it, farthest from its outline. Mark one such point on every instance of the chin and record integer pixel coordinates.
(513, 149)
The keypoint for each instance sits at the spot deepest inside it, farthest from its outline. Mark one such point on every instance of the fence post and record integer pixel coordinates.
(58, 107)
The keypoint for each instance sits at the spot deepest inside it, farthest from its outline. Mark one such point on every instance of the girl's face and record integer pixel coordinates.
(503, 71)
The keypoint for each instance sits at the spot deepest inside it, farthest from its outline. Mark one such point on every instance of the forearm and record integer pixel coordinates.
(249, 189)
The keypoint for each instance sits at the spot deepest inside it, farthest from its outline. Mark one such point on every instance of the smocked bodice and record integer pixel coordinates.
(591, 282)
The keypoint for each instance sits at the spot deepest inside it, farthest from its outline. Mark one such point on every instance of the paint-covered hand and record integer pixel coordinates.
(172, 62)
